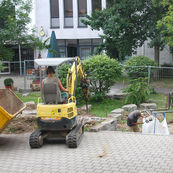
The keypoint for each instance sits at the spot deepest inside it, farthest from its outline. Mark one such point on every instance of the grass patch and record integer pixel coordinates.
(162, 83)
(98, 109)
(33, 96)
(159, 99)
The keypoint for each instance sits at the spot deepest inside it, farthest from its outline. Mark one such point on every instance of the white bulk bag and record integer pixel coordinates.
(155, 126)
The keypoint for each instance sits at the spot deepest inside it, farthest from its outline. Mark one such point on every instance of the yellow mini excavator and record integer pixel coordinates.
(57, 118)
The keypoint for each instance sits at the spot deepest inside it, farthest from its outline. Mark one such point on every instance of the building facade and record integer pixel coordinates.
(64, 17)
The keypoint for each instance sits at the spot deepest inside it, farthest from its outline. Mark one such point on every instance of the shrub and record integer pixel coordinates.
(138, 91)
(8, 82)
(102, 73)
(62, 73)
(135, 72)
(1, 66)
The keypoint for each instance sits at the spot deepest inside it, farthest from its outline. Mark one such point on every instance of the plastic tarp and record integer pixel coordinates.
(155, 126)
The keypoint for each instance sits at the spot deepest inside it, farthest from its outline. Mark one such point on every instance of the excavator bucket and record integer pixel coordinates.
(10, 106)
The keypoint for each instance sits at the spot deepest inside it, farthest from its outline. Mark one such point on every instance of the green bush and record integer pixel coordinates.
(1, 66)
(102, 73)
(62, 73)
(138, 91)
(8, 82)
(135, 72)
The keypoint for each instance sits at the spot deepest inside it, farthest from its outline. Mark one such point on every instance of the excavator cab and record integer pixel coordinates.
(57, 117)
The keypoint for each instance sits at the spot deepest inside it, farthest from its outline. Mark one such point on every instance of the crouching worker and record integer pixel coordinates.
(132, 121)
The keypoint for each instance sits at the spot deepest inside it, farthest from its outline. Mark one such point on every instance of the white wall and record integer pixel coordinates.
(165, 56)
(43, 19)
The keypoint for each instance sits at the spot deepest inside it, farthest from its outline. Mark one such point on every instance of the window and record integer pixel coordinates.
(96, 5)
(68, 13)
(97, 41)
(82, 11)
(85, 52)
(109, 3)
(54, 8)
(84, 42)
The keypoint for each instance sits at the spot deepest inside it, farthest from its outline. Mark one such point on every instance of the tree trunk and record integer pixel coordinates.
(157, 54)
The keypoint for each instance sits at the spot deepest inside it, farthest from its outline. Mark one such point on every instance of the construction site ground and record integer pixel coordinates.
(24, 125)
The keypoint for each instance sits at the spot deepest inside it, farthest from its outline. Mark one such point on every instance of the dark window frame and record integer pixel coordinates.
(79, 15)
(67, 16)
(93, 5)
(50, 2)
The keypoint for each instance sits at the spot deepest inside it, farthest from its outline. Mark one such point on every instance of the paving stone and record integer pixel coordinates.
(148, 106)
(130, 107)
(123, 149)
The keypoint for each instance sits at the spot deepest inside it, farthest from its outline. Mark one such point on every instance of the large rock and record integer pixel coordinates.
(117, 111)
(130, 107)
(119, 95)
(84, 107)
(148, 106)
(29, 113)
(30, 105)
(109, 124)
(117, 116)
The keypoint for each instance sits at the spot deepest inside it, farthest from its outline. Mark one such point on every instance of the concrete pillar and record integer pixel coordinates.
(89, 7)
(61, 13)
(75, 13)
(103, 4)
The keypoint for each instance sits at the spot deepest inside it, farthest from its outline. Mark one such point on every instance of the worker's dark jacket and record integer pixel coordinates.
(133, 117)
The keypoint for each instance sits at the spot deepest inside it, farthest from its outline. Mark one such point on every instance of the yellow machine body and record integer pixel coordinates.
(56, 112)
(10, 107)
(60, 120)
(68, 110)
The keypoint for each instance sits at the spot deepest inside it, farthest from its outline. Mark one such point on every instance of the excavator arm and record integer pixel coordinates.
(72, 79)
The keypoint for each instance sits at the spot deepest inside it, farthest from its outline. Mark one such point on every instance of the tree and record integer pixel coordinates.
(166, 23)
(126, 25)
(154, 33)
(14, 20)
(102, 73)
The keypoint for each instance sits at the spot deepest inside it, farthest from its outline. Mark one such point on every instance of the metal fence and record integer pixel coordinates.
(151, 72)
(16, 67)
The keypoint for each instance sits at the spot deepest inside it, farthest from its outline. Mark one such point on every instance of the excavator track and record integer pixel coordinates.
(36, 139)
(73, 139)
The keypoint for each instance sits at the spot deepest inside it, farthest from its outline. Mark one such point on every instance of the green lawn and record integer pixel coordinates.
(163, 83)
(33, 96)
(159, 99)
(107, 105)
(99, 109)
